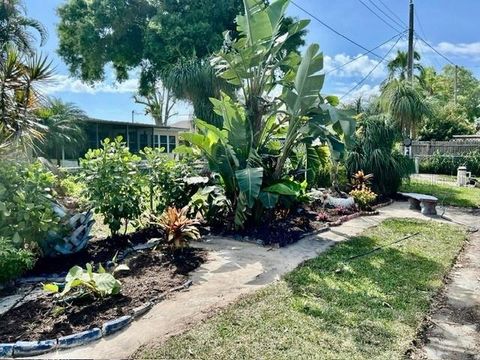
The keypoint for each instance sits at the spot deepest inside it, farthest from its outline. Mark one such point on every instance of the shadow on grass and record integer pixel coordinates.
(368, 298)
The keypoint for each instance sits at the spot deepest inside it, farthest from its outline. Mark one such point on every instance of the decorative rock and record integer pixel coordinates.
(6, 350)
(141, 310)
(113, 326)
(31, 348)
(81, 338)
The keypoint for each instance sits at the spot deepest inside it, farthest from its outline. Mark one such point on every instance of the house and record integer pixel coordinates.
(136, 135)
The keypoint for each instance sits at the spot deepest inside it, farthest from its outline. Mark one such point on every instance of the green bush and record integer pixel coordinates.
(169, 180)
(114, 184)
(13, 261)
(26, 211)
(448, 164)
(374, 153)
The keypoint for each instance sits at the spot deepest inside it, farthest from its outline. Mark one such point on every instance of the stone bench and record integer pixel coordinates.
(425, 203)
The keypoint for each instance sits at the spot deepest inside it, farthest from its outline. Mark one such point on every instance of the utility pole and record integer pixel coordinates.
(455, 87)
(410, 41)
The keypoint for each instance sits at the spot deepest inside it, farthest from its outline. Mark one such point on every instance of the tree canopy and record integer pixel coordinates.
(152, 35)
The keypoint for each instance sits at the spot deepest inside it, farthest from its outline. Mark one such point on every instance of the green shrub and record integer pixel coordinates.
(374, 153)
(169, 180)
(13, 261)
(114, 185)
(363, 197)
(26, 210)
(445, 164)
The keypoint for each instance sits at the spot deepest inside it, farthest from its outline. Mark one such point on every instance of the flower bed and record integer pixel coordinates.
(152, 276)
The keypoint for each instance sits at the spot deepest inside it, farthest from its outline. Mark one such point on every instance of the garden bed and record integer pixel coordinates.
(152, 274)
(282, 228)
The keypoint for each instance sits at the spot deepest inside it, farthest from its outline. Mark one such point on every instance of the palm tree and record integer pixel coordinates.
(21, 81)
(195, 80)
(398, 66)
(64, 131)
(15, 27)
(406, 106)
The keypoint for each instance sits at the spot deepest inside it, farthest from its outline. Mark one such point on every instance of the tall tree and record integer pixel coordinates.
(167, 39)
(398, 66)
(15, 27)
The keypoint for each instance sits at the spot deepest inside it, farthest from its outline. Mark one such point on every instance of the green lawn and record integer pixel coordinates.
(330, 308)
(448, 195)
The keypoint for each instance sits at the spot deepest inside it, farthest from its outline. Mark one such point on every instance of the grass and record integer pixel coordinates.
(331, 308)
(448, 195)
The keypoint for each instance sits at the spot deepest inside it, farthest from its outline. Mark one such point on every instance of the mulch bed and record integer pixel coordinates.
(152, 273)
(282, 228)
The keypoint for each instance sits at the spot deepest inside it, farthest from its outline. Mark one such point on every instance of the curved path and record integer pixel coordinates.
(234, 269)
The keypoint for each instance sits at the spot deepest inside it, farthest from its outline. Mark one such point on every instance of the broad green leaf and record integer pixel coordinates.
(269, 200)
(249, 182)
(285, 187)
(313, 164)
(105, 283)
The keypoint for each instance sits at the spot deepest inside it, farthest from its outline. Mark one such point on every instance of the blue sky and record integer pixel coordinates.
(449, 26)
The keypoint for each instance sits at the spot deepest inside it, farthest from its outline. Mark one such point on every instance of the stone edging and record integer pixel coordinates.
(32, 348)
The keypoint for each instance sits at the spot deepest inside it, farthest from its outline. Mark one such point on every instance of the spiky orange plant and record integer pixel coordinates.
(361, 181)
(179, 228)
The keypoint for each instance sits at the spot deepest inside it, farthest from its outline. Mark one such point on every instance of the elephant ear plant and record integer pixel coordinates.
(279, 110)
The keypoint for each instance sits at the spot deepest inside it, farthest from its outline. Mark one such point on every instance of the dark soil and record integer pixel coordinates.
(151, 274)
(98, 251)
(284, 227)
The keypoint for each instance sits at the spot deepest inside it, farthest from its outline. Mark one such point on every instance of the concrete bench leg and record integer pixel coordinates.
(429, 207)
(414, 204)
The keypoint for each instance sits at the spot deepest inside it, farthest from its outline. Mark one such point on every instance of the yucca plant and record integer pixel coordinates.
(179, 228)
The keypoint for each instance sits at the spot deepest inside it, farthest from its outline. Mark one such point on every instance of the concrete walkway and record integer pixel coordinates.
(233, 269)
(455, 324)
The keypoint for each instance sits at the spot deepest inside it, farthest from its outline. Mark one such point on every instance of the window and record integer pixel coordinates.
(164, 142)
(155, 141)
(171, 143)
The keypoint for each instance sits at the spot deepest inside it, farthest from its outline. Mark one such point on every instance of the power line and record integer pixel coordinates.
(401, 23)
(364, 54)
(391, 11)
(378, 16)
(333, 30)
(438, 52)
(371, 71)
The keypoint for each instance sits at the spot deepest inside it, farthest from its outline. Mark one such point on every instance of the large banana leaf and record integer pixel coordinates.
(269, 200)
(249, 183)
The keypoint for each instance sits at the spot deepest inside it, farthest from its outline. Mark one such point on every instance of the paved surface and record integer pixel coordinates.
(455, 331)
(234, 269)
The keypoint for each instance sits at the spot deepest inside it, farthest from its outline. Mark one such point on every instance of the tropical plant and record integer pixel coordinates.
(114, 185)
(85, 282)
(64, 128)
(360, 180)
(398, 66)
(211, 204)
(14, 260)
(260, 133)
(364, 197)
(406, 105)
(178, 227)
(21, 80)
(374, 152)
(15, 28)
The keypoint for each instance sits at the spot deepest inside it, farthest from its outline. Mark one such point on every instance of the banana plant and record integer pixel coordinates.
(261, 130)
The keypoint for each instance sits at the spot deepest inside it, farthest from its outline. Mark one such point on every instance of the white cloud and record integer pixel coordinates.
(64, 83)
(366, 91)
(360, 67)
(459, 50)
